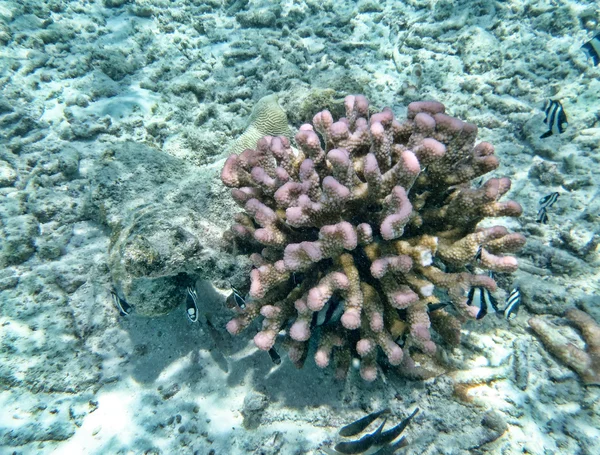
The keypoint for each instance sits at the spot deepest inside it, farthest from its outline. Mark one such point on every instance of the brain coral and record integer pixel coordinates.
(360, 230)
(267, 118)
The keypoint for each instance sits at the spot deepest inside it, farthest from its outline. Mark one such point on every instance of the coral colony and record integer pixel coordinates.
(375, 220)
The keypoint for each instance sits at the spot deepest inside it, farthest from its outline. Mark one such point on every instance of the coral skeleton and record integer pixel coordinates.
(586, 363)
(374, 214)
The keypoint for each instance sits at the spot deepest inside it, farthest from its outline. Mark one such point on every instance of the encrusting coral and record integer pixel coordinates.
(372, 217)
(586, 363)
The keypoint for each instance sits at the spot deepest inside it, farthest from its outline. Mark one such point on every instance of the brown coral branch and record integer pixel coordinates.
(586, 363)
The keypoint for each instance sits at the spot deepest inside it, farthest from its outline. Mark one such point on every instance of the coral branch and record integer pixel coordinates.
(586, 363)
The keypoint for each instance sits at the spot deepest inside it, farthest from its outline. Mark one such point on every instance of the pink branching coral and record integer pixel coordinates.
(357, 217)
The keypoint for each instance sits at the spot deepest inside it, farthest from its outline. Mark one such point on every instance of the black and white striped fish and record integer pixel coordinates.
(238, 298)
(556, 119)
(478, 254)
(121, 304)
(513, 302)
(548, 201)
(436, 306)
(297, 278)
(331, 312)
(545, 203)
(542, 216)
(274, 356)
(191, 304)
(592, 49)
(481, 298)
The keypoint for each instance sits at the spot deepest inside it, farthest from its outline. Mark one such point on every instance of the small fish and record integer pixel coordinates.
(123, 307)
(431, 307)
(360, 445)
(274, 356)
(377, 443)
(556, 119)
(297, 278)
(388, 436)
(191, 304)
(592, 49)
(478, 254)
(548, 201)
(331, 312)
(512, 304)
(450, 192)
(362, 423)
(392, 448)
(237, 297)
(482, 299)
(542, 216)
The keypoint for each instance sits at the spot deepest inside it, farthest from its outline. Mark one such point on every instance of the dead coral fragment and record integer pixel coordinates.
(355, 219)
(586, 363)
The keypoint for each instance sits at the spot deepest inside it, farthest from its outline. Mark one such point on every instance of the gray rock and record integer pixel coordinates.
(57, 431)
(254, 405)
(17, 239)
(8, 175)
(494, 421)
(8, 278)
(152, 255)
(164, 235)
(53, 240)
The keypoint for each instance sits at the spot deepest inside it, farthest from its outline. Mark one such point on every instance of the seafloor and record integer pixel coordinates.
(109, 107)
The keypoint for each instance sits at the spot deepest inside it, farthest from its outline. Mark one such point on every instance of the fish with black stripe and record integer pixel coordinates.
(331, 312)
(545, 203)
(236, 298)
(121, 304)
(191, 304)
(542, 216)
(431, 307)
(556, 119)
(592, 49)
(481, 298)
(513, 302)
(275, 358)
(548, 201)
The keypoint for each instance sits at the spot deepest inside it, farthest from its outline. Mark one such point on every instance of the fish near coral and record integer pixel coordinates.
(360, 212)
(378, 442)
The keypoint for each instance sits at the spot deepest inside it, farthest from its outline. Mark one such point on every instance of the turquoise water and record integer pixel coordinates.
(148, 308)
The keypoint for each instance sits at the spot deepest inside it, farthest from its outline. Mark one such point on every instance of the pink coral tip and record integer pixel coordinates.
(368, 373)
(321, 358)
(339, 131)
(411, 162)
(351, 319)
(364, 347)
(395, 354)
(234, 327)
(316, 299)
(264, 340)
(376, 322)
(300, 331)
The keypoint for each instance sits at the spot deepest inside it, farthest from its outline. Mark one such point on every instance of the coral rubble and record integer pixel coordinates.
(376, 215)
(586, 363)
